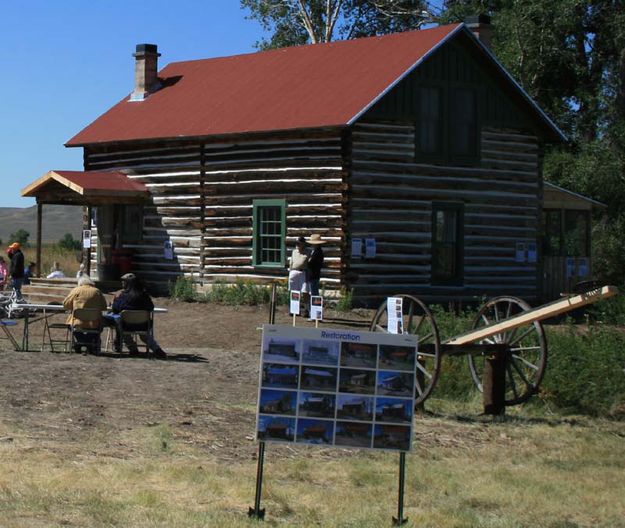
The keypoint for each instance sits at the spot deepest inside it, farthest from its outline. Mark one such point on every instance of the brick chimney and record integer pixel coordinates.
(146, 71)
(481, 27)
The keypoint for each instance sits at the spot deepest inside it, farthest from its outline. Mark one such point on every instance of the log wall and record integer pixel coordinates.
(202, 196)
(391, 199)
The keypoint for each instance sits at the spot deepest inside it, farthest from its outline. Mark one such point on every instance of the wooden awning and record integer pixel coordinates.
(86, 188)
(555, 197)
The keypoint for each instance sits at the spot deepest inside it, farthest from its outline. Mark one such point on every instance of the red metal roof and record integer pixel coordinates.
(90, 183)
(299, 87)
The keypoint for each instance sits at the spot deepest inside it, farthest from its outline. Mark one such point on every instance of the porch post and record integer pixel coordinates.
(87, 251)
(39, 216)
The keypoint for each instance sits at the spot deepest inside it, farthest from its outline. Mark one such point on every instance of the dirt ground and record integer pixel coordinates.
(205, 392)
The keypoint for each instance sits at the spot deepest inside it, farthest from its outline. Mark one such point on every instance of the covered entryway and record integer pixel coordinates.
(115, 199)
(566, 228)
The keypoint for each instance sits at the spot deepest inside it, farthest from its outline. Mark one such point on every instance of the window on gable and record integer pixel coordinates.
(269, 232)
(430, 125)
(463, 129)
(447, 243)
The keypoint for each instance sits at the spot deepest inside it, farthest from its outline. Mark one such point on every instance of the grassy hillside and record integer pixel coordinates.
(57, 220)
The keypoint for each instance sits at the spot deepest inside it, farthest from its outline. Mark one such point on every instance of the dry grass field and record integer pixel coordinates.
(114, 441)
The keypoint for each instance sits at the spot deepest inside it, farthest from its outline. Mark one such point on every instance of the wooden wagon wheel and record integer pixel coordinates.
(528, 349)
(417, 320)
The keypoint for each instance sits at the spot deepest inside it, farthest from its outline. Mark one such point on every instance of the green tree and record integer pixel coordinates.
(296, 22)
(69, 243)
(21, 236)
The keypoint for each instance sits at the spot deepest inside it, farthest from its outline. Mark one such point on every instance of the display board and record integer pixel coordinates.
(336, 387)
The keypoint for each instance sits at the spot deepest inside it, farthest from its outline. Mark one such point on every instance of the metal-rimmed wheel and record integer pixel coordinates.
(527, 344)
(419, 321)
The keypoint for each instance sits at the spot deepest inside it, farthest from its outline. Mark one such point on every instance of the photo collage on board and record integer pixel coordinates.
(332, 392)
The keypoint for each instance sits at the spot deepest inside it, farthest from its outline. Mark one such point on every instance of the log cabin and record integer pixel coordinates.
(416, 156)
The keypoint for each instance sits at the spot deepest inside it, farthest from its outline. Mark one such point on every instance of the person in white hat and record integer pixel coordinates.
(315, 263)
(298, 264)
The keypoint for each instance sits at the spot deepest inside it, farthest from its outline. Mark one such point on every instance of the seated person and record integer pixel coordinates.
(134, 297)
(29, 272)
(85, 295)
(56, 272)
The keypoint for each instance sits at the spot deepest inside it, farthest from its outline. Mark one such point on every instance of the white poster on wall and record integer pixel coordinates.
(582, 267)
(168, 250)
(531, 252)
(394, 307)
(357, 248)
(570, 267)
(316, 308)
(370, 248)
(86, 238)
(519, 255)
(294, 306)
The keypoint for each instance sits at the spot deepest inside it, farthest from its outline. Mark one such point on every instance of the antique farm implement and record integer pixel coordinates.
(506, 349)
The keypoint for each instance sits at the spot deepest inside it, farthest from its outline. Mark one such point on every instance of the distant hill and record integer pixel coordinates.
(57, 220)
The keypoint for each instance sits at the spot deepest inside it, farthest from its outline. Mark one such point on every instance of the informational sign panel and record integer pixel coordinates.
(316, 307)
(519, 254)
(357, 248)
(582, 267)
(370, 248)
(335, 387)
(394, 307)
(570, 267)
(86, 238)
(294, 306)
(531, 252)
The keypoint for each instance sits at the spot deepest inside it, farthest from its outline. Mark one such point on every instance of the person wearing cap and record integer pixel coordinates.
(315, 262)
(85, 295)
(16, 268)
(134, 297)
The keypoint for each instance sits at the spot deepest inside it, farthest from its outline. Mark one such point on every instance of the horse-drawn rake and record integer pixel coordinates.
(506, 349)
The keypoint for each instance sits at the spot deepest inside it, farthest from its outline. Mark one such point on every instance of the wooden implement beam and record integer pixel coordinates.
(545, 311)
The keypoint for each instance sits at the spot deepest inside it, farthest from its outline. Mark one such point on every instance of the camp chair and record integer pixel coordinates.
(86, 339)
(7, 333)
(136, 323)
(64, 341)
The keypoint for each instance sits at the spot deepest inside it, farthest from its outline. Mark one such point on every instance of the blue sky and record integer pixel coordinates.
(65, 62)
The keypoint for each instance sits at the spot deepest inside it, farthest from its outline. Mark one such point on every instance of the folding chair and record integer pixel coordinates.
(65, 341)
(90, 336)
(8, 335)
(137, 323)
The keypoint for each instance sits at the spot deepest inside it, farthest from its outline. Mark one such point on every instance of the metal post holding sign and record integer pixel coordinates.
(400, 499)
(256, 512)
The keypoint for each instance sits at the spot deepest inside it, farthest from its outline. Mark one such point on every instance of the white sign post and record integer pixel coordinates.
(316, 309)
(294, 307)
(336, 387)
(395, 319)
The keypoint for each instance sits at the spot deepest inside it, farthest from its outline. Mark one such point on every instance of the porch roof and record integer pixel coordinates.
(556, 197)
(86, 188)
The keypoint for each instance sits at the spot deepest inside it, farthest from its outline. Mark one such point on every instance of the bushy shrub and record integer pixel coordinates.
(245, 293)
(586, 370)
(346, 301)
(182, 289)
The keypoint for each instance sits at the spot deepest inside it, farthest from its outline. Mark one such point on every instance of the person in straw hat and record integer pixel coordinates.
(315, 262)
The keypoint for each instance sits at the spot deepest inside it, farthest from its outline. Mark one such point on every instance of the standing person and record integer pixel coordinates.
(315, 263)
(85, 295)
(29, 272)
(298, 265)
(4, 273)
(81, 271)
(134, 297)
(16, 268)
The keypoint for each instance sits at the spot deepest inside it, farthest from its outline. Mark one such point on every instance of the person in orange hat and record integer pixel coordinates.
(16, 268)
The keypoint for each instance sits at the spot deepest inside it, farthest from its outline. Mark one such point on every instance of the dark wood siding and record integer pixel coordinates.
(391, 199)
